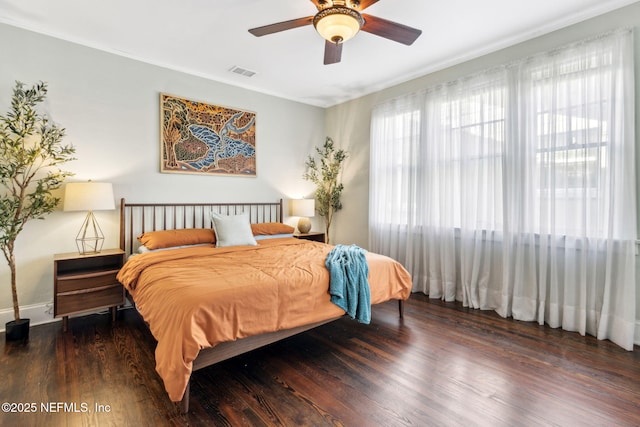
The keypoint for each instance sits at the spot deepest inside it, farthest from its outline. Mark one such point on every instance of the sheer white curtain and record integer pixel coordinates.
(514, 189)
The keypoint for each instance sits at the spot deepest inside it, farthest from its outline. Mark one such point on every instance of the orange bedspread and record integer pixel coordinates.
(194, 298)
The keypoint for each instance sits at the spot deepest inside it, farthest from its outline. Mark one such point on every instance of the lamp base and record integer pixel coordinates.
(304, 225)
(89, 246)
(89, 239)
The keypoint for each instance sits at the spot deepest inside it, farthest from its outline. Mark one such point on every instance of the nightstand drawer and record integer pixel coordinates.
(78, 301)
(86, 281)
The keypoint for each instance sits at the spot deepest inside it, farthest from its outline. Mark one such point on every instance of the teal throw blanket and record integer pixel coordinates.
(349, 286)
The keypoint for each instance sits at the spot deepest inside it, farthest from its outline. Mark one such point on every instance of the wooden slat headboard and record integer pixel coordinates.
(137, 218)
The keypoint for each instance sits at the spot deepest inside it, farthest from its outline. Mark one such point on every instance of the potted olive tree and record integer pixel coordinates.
(31, 152)
(325, 174)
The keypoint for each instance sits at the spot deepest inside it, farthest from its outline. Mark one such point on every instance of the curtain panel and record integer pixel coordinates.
(514, 189)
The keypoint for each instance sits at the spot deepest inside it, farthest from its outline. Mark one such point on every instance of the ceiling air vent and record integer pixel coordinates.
(242, 71)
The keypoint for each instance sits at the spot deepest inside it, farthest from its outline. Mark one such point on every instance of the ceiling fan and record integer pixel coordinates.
(339, 20)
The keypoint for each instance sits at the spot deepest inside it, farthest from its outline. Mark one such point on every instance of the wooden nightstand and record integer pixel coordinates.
(86, 283)
(316, 236)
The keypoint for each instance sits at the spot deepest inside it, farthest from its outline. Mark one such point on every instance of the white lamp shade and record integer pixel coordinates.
(303, 207)
(88, 196)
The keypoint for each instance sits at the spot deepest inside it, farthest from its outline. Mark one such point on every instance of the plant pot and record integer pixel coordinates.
(17, 330)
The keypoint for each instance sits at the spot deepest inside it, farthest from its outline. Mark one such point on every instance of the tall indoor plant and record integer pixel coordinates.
(325, 174)
(31, 152)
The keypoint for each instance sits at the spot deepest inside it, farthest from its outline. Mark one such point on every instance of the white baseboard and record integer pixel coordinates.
(38, 313)
(636, 338)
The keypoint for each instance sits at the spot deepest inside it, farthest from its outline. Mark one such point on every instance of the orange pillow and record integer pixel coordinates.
(170, 238)
(271, 228)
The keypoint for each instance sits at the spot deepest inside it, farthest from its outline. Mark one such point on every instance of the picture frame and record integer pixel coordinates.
(202, 138)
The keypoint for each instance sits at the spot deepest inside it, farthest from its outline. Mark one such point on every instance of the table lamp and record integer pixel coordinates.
(304, 208)
(89, 196)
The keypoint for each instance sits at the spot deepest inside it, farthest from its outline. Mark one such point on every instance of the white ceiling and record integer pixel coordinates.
(208, 37)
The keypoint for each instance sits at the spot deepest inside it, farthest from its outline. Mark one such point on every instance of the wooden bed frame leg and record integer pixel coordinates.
(401, 308)
(184, 403)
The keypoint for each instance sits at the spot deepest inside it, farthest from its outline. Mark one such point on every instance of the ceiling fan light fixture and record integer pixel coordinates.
(338, 24)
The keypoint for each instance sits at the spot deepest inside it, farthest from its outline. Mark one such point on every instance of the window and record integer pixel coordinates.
(477, 148)
(572, 121)
(473, 132)
(399, 163)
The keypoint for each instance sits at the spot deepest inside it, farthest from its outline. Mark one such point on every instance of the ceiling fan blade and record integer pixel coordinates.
(390, 30)
(365, 4)
(281, 26)
(362, 4)
(332, 52)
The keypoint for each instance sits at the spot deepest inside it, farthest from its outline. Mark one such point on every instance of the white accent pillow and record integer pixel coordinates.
(232, 230)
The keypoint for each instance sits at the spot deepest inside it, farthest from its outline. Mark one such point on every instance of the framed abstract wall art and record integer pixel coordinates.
(207, 139)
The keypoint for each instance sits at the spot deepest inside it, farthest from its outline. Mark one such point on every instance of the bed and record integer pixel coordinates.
(205, 302)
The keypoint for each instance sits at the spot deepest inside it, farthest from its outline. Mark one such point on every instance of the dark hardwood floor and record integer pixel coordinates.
(441, 365)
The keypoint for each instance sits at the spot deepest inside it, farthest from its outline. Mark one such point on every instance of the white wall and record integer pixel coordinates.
(109, 106)
(349, 123)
